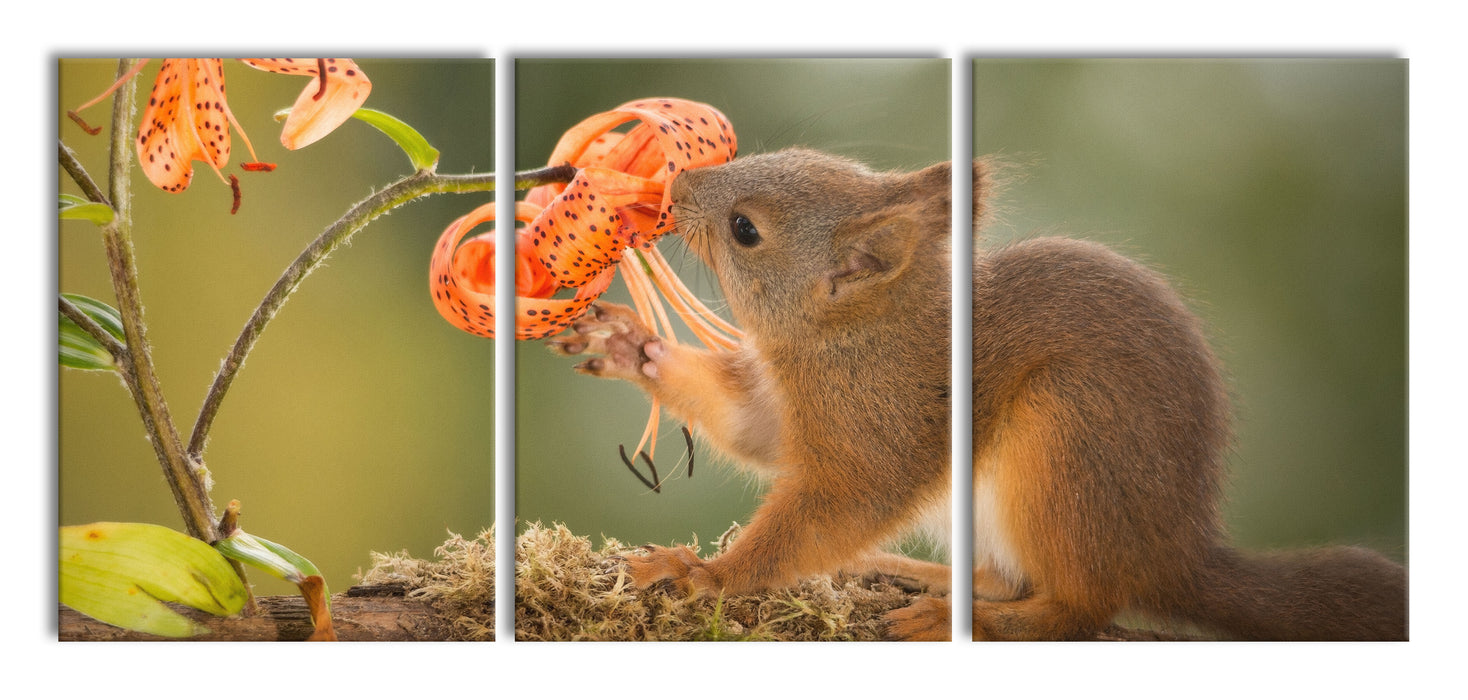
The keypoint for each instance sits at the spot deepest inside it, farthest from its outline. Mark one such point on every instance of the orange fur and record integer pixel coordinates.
(845, 307)
(1099, 428)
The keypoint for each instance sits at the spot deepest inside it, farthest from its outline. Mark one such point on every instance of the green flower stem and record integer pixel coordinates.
(186, 477)
(417, 185)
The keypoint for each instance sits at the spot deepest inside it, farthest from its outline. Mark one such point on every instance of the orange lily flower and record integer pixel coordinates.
(618, 200)
(188, 118)
(463, 281)
(578, 235)
(325, 103)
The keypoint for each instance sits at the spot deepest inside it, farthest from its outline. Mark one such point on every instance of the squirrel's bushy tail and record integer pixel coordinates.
(1337, 593)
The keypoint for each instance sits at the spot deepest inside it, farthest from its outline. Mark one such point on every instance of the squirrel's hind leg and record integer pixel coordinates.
(928, 619)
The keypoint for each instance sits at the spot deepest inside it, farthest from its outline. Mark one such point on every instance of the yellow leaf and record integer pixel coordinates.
(122, 573)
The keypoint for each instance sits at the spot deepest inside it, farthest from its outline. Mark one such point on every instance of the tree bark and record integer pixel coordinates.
(363, 614)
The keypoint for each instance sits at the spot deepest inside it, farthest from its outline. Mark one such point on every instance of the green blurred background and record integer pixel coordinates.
(889, 113)
(362, 421)
(1274, 193)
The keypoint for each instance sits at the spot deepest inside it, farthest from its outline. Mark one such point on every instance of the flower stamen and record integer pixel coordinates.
(74, 113)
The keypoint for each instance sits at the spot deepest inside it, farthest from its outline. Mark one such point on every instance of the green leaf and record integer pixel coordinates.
(279, 561)
(79, 350)
(74, 207)
(101, 312)
(422, 155)
(276, 560)
(122, 573)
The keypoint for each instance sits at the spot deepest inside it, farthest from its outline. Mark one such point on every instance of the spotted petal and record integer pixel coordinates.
(579, 231)
(586, 227)
(186, 120)
(318, 111)
(674, 135)
(461, 277)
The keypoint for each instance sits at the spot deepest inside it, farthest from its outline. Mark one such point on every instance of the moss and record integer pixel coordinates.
(565, 589)
(459, 586)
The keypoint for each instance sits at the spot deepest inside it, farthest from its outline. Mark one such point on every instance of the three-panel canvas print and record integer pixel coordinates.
(1146, 316)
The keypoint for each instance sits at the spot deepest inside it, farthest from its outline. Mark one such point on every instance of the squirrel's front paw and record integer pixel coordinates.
(926, 620)
(624, 348)
(678, 568)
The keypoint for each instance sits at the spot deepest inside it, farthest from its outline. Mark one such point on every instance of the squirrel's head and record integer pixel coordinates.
(801, 237)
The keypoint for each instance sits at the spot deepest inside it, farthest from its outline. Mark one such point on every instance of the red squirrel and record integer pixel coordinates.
(1100, 419)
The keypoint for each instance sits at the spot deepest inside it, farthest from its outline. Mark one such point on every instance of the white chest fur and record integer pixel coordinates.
(993, 548)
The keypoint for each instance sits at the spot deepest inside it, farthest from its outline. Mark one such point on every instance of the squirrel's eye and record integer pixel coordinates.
(745, 233)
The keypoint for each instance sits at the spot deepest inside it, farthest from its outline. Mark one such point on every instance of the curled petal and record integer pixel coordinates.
(585, 228)
(186, 120)
(320, 109)
(574, 144)
(595, 152)
(578, 232)
(461, 278)
(637, 152)
(464, 295)
(543, 318)
(532, 280)
(674, 135)
(543, 195)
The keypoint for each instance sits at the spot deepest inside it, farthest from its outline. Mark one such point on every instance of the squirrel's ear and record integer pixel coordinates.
(983, 183)
(875, 254)
(932, 185)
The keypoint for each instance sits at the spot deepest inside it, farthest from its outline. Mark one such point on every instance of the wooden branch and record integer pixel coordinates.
(363, 613)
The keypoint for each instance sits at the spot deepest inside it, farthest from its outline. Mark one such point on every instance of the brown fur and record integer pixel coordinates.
(846, 308)
(1100, 419)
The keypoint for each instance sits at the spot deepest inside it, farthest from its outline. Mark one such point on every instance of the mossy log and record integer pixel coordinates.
(566, 590)
(364, 613)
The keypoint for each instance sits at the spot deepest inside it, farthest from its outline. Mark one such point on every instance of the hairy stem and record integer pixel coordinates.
(416, 185)
(186, 477)
(419, 184)
(73, 167)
